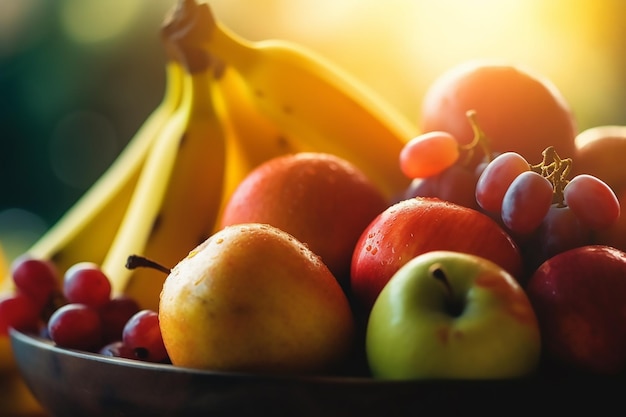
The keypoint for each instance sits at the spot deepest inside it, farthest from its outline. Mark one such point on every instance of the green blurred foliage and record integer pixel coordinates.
(46, 78)
(40, 84)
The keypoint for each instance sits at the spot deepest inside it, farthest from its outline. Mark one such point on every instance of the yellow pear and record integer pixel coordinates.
(252, 298)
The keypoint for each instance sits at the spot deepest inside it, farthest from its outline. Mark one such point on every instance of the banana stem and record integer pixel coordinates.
(196, 24)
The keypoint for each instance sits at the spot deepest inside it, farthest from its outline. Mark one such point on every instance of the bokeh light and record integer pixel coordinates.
(90, 21)
(19, 22)
(18, 229)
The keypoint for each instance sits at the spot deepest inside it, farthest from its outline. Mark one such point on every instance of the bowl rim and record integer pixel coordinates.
(40, 342)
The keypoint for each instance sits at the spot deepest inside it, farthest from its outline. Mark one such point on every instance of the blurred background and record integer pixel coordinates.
(78, 77)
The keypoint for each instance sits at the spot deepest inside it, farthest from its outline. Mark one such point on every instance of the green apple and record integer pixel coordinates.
(252, 298)
(450, 315)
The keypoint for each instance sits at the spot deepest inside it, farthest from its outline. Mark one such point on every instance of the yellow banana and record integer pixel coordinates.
(177, 198)
(6, 284)
(85, 232)
(312, 100)
(251, 138)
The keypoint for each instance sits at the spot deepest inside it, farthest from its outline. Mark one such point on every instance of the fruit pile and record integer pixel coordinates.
(289, 222)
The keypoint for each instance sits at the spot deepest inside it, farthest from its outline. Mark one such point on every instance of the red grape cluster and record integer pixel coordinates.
(80, 313)
(544, 211)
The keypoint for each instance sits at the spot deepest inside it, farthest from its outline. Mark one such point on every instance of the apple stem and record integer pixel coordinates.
(137, 261)
(437, 272)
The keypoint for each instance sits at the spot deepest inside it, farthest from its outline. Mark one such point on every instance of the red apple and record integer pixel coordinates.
(422, 224)
(579, 299)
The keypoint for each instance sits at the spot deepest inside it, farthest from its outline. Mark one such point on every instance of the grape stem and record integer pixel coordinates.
(556, 170)
(479, 139)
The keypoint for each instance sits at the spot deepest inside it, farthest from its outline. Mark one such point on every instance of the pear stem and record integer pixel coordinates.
(138, 261)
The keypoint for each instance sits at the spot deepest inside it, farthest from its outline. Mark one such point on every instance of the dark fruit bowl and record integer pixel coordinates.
(71, 383)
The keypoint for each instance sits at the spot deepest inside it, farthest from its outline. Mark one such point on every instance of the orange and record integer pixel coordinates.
(517, 109)
(322, 200)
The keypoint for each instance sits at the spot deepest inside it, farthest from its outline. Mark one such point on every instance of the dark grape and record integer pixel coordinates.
(36, 278)
(422, 187)
(456, 185)
(526, 202)
(18, 311)
(142, 335)
(76, 326)
(86, 283)
(496, 178)
(114, 315)
(117, 349)
(559, 231)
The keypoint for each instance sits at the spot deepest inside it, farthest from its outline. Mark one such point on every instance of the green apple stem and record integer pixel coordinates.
(137, 261)
(453, 305)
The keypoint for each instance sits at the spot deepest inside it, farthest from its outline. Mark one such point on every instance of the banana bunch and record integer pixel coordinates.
(310, 99)
(229, 105)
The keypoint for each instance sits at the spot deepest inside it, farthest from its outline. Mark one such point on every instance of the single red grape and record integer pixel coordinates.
(115, 314)
(142, 334)
(592, 200)
(18, 311)
(76, 326)
(86, 283)
(456, 185)
(496, 178)
(526, 202)
(428, 154)
(560, 230)
(37, 278)
(421, 187)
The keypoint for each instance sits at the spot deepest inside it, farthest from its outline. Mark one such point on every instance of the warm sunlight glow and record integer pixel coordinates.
(398, 46)
(90, 21)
